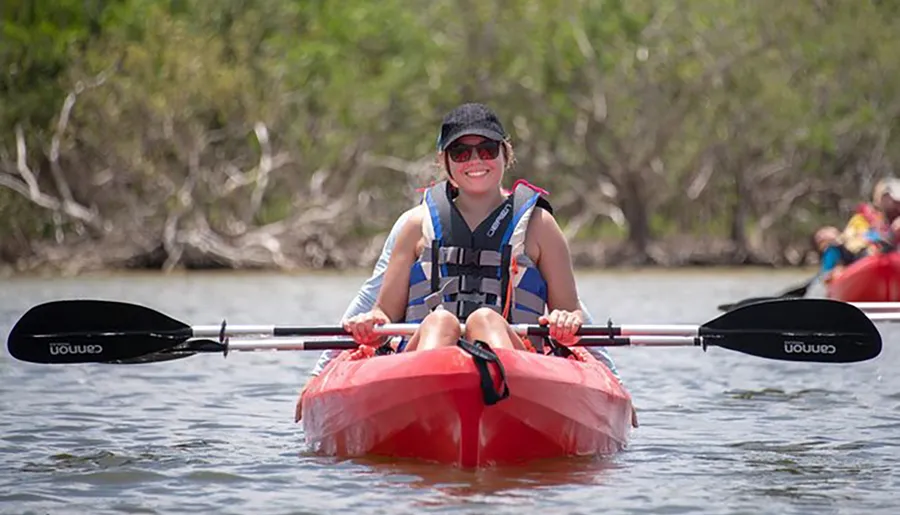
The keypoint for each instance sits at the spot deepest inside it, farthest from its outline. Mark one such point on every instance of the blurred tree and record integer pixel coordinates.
(290, 133)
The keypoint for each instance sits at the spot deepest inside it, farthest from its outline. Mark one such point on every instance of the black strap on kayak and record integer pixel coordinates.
(482, 354)
(557, 349)
(384, 349)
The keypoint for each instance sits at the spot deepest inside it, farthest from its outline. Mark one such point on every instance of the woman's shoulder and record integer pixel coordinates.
(543, 233)
(542, 221)
(413, 218)
(416, 215)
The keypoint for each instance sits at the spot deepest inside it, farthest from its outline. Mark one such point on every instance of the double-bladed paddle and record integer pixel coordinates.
(102, 331)
(99, 331)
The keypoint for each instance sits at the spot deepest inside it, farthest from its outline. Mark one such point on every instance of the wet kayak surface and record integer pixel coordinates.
(721, 432)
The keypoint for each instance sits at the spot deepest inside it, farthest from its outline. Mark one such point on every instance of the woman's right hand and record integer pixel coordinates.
(362, 327)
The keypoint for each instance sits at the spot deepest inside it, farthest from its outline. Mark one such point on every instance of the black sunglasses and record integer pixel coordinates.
(487, 150)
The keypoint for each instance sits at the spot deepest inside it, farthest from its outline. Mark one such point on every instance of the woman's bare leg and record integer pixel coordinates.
(487, 325)
(439, 329)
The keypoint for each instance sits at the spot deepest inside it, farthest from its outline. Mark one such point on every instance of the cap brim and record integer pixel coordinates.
(486, 133)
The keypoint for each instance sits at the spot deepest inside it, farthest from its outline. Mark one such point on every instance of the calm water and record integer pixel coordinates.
(720, 432)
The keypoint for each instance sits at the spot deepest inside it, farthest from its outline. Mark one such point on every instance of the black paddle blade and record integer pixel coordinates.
(93, 331)
(183, 350)
(742, 303)
(813, 330)
(799, 291)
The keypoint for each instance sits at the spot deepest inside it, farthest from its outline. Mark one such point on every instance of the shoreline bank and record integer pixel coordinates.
(675, 254)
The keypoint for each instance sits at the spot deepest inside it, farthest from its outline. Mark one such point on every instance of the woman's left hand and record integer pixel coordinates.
(563, 325)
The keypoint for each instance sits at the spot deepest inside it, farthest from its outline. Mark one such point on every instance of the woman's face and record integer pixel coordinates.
(475, 163)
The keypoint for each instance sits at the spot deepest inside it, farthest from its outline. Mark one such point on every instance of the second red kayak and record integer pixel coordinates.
(428, 405)
(873, 278)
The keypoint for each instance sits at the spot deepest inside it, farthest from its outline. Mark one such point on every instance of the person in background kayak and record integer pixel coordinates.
(869, 228)
(833, 254)
(873, 228)
(474, 151)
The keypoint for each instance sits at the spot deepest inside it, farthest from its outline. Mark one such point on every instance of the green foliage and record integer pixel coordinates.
(39, 40)
(662, 104)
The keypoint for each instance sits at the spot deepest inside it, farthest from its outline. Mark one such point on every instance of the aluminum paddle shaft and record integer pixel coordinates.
(213, 331)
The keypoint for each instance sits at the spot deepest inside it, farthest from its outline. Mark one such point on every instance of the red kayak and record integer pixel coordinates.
(873, 278)
(428, 405)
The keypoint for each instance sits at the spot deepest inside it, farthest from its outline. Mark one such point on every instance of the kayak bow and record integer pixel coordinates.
(428, 405)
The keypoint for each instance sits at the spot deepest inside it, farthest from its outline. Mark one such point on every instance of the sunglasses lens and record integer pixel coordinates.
(488, 150)
(460, 153)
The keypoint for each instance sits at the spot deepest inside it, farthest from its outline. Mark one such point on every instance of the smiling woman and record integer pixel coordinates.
(473, 252)
(471, 142)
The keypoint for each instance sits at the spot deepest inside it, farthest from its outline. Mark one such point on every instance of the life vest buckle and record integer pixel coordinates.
(470, 284)
(479, 298)
(468, 257)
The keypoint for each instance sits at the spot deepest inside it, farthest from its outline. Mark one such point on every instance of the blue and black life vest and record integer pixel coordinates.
(462, 270)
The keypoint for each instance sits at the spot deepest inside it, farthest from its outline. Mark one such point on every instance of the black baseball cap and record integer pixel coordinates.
(469, 119)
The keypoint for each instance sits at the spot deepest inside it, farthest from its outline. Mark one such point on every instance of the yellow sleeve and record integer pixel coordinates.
(856, 226)
(854, 235)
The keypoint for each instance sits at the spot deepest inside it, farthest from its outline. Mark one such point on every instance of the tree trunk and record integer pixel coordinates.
(634, 208)
(739, 217)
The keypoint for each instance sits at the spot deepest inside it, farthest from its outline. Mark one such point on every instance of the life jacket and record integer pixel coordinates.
(856, 236)
(462, 270)
(872, 216)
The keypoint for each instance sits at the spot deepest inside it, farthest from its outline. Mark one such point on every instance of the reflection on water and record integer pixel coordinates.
(720, 432)
(454, 482)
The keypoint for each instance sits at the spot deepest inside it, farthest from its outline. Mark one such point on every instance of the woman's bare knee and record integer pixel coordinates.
(483, 318)
(442, 319)
(439, 329)
(487, 325)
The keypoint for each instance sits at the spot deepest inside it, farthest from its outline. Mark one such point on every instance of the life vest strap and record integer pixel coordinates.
(455, 284)
(464, 287)
(435, 265)
(529, 300)
(506, 284)
(461, 308)
(489, 295)
(465, 257)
